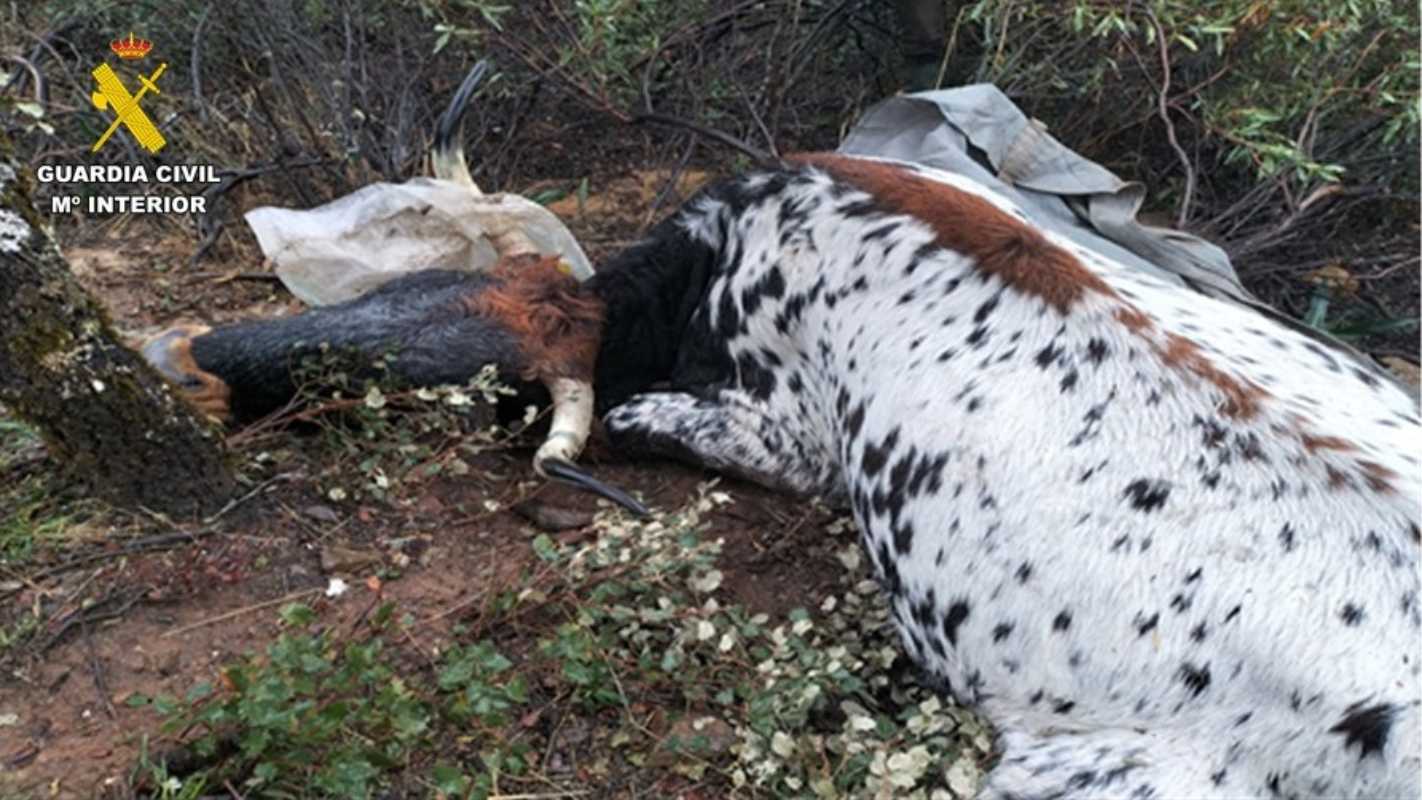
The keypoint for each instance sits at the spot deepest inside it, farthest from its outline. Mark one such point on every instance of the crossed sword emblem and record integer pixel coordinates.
(113, 94)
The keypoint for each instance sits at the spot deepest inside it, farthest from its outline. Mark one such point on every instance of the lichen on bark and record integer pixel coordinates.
(105, 416)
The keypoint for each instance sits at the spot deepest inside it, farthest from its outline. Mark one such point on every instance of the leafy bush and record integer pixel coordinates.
(333, 716)
(314, 713)
(809, 703)
(1251, 90)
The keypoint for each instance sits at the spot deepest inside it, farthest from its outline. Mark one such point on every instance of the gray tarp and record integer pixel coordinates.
(978, 132)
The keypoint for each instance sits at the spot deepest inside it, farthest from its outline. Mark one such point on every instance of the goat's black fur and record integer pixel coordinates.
(651, 291)
(421, 326)
(416, 323)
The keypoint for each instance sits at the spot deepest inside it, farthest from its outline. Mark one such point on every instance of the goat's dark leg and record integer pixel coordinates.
(418, 325)
(725, 431)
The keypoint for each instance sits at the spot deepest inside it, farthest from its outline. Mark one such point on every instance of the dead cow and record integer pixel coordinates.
(1166, 546)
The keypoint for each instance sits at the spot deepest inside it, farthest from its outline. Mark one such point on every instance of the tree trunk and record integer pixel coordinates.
(105, 416)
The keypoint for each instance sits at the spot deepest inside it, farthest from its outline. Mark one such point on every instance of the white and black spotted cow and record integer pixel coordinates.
(1167, 546)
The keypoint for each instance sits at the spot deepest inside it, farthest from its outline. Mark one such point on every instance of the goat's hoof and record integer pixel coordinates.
(171, 354)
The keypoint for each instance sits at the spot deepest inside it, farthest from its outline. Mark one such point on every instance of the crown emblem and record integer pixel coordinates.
(131, 47)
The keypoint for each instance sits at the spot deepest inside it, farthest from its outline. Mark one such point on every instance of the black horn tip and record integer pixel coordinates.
(449, 121)
(572, 474)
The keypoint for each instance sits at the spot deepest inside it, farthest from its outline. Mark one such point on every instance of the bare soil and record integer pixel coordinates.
(162, 620)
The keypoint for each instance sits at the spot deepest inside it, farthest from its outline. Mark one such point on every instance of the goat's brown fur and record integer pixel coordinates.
(557, 327)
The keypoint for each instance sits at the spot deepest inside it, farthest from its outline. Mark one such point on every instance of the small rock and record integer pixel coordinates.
(335, 558)
(429, 504)
(699, 736)
(321, 513)
(19, 757)
(170, 663)
(552, 518)
(1403, 369)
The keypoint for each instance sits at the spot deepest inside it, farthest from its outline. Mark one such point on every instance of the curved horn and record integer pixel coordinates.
(572, 398)
(512, 242)
(448, 162)
(447, 159)
(572, 419)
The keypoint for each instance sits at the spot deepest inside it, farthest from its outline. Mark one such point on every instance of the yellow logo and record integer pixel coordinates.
(113, 94)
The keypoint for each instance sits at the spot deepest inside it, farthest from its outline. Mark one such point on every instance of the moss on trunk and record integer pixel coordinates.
(105, 416)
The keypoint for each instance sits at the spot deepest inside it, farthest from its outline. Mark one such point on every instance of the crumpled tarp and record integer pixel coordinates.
(976, 131)
(1061, 190)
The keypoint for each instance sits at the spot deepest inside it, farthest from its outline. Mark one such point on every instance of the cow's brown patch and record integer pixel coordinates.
(1314, 443)
(557, 327)
(1002, 245)
(1377, 477)
(1242, 397)
(1134, 320)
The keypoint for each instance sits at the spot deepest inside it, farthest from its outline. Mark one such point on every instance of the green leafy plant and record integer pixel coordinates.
(314, 713)
(808, 703)
(480, 678)
(1284, 86)
(338, 717)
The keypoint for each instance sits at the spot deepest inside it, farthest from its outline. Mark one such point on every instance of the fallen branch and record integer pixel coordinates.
(237, 612)
(710, 133)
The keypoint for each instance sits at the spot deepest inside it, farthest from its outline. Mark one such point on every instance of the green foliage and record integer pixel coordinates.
(476, 673)
(314, 713)
(165, 785)
(1288, 88)
(801, 705)
(587, 672)
(330, 716)
(602, 43)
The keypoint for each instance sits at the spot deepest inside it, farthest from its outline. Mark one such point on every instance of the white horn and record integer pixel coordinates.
(512, 242)
(572, 420)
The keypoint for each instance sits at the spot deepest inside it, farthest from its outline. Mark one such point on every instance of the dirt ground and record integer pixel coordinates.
(148, 607)
(186, 611)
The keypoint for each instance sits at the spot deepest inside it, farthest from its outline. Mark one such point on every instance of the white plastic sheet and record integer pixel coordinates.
(340, 250)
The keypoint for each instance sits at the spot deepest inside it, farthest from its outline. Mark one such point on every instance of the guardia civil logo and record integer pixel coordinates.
(113, 95)
(127, 188)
